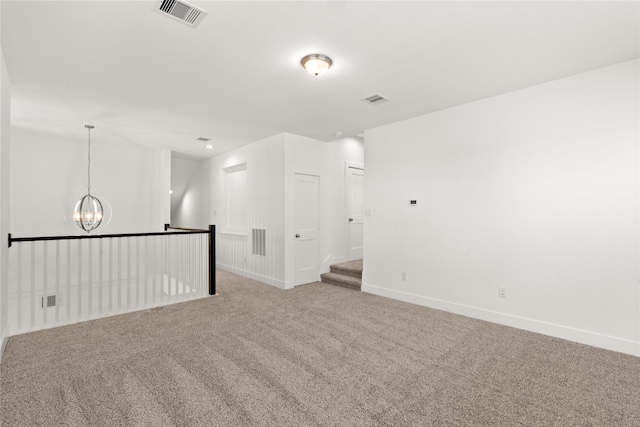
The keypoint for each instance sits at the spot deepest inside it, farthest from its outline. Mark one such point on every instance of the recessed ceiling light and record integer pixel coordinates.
(316, 63)
(210, 147)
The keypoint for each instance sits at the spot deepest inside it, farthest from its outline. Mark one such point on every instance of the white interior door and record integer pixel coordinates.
(306, 200)
(355, 210)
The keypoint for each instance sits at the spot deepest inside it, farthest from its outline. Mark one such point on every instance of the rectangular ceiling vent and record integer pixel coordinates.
(182, 11)
(375, 99)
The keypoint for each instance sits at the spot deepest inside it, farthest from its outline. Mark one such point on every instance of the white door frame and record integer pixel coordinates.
(348, 165)
(289, 241)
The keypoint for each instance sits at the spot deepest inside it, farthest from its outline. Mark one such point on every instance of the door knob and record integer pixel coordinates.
(297, 235)
(350, 219)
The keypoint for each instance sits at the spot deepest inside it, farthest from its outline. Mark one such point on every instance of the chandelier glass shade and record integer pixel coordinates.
(316, 64)
(88, 212)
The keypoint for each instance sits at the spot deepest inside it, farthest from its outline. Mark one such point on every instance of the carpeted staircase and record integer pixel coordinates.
(347, 274)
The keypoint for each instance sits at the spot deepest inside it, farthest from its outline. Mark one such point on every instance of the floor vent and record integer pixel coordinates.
(375, 99)
(49, 301)
(182, 11)
(259, 241)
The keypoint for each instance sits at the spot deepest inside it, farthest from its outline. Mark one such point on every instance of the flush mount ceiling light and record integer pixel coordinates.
(316, 63)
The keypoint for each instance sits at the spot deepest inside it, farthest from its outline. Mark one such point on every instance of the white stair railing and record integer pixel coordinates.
(66, 279)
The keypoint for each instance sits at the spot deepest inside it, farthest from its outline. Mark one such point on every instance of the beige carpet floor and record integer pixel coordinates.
(355, 265)
(317, 355)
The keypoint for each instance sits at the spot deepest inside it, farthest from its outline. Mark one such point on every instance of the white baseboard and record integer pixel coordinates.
(280, 284)
(102, 316)
(572, 334)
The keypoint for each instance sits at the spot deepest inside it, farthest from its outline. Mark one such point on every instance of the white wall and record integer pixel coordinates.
(337, 154)
(265, 192)
(190, 199)
(4, 199)
(161, 188)
(270, 164)
(327, 159)
(49, 174)
(535, 191)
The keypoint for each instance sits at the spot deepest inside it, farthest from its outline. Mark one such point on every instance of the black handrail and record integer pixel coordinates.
(167, 227)
(212, 251)
(99, 236)
(211, 232)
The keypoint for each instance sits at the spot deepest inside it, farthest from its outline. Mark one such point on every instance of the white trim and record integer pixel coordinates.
(104, 316)
(66, 299)
(325, 266)
(347, 166)
(242, 166)
(354, 165)
(280, 284)
(234, 233)
(289, 220)
(225, 229)
(594, 339)
(306, 171)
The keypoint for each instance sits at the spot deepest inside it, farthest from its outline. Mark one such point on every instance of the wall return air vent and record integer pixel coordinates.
(375, 99)
(182, 11)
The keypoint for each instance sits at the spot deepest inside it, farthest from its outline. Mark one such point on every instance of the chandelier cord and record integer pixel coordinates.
(89, 163)
(88, 212)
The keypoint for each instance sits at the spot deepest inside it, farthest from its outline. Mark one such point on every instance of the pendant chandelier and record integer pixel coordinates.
(88, 212)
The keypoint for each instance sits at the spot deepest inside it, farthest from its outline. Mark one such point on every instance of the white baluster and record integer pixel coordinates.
(58, 297)
(33, 285)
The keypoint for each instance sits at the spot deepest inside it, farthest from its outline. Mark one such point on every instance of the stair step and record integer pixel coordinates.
(351, 268)
(341, 280)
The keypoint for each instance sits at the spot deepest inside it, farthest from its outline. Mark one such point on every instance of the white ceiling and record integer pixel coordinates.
(144, 78)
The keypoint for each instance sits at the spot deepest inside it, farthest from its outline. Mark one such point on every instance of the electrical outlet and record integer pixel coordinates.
(502, 292)
(403, 275)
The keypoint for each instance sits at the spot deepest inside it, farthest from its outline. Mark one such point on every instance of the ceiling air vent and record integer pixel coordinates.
(182, 11)
(375, 99)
